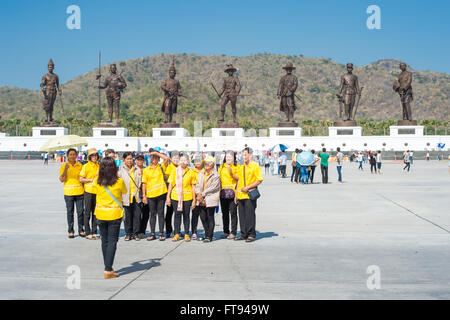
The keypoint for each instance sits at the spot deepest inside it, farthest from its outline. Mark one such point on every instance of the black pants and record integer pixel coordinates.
(156, 207)
(294, 173)
(283, 171)
(373, 167)
(132, 219)
(194, 220)
(297, 174)
(185, 214)
(229, 208)
(71, 201)
(207, 217)
(311, 175)
(169, 214)
(89, 218)
(145, 212)
(247, 217)
(267, 167)
(324, 170)
(407, 165)
(109, 231)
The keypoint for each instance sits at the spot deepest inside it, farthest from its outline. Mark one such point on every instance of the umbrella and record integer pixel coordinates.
(63, 142)
(305, 158)
(278, 148)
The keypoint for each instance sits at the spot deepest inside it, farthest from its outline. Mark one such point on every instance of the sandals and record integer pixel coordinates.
(71, 235)
(82, 234)
(151, 238)
(250, 239)
(162, 238)
(127, 238)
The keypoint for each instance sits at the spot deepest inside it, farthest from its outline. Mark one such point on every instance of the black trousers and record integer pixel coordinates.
(145, 212)
(283, 170)
(229, 208)
(373, 167)
(109, 231)
(169, 214)
(207, 217)
(247, 217)
(294, 173)
(194, 220)
(156, 207)
(71, 201)
(89, 218)
(324, 170)
(311, 175)
(132, 218)
(298, 175)
(182, 214)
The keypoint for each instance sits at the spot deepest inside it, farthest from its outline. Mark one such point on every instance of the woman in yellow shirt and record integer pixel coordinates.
(181, 196)
(172, 167)
(87, 175)
(198, 168)
(73, 191)
(229, 172)
(154, 190)
(109, 210)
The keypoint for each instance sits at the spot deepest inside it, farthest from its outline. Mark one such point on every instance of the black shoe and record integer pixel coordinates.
(207, 240)
(239, 238)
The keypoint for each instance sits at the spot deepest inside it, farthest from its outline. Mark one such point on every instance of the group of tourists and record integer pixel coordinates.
(104, 194)
(304, 173)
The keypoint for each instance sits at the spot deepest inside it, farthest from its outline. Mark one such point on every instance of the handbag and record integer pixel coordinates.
(252, 194)
(226, 193)
(139, 187)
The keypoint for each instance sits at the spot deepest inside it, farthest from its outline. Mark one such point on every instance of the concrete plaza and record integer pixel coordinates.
(313, 242)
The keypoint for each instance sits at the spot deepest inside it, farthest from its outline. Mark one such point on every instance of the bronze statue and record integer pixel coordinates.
(286, 92)
(230, 91)
(403, 87)
(115, 84)
(49, 85)
(172, 89)
(347, 94)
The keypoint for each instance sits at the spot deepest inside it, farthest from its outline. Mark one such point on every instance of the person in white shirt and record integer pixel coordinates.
(360, 160)
(379, 162)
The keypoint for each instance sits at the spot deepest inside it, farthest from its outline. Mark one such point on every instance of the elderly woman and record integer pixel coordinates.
(131, 201)
(198, 168)
(181, 196)
(207, 191)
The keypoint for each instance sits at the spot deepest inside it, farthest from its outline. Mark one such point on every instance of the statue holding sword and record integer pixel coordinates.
(230, 91)
(349, 90)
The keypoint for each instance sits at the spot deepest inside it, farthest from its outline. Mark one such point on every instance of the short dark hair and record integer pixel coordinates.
(126, 154)
(248, 149)
(72, 149)
(324, 150)
(338, 149)
(107, 173)
(312, 151)
(109, 151)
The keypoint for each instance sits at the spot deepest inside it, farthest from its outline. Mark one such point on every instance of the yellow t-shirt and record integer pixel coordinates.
(72, 185)
(294, 156)
(189, 179)
(168, 171)
(197, 172)
(89, 171)
(226, 179)
(154, 181)
(106, 208)
(252, 174)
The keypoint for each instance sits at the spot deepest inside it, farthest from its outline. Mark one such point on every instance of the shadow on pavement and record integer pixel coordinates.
(138, 266)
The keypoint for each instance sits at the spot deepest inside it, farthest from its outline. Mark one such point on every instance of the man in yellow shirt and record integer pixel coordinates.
(73, 191)
(250, 178)
(154, 189)
(87, 175)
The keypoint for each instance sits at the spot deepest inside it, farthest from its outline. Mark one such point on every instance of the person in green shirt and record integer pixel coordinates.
(324, 165)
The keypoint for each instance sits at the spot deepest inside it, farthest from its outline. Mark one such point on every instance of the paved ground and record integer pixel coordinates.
(314, 242)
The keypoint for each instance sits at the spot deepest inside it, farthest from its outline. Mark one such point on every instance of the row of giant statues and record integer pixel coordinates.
(349, 94)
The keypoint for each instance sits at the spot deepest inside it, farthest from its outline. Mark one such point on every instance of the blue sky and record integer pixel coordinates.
(33, 31)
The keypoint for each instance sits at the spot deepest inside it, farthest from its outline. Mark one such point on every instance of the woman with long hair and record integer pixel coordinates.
(109, 210)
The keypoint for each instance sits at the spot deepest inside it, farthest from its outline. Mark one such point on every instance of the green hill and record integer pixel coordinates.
(259, 75)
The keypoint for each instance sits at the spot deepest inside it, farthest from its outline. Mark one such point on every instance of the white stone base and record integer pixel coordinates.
(285, 132)
(345, 131)
(170, 133)
(49, 132)
(109, 132)
(406, 131)
(3, 134)
(227, 132)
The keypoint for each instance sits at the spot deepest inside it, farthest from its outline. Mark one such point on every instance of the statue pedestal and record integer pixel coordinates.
(224, 125)
(285, 132)
(110, 131)
(345, 123)
(48, 132)
(407, 123)
(170, 132)
(169, 125)
(346, 131)
(285, 124)
(406, 131)
(227, 132)
(3, 134)
(107, 124)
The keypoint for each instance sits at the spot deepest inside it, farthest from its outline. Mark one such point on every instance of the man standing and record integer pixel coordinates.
(403, 87)
(283, 163)
(286, 91)
(172, 89)
(230, 91)
(348, 91)
(339, 159)
(115, 84)
(49, 85)
(324, 165)
(294, 165)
